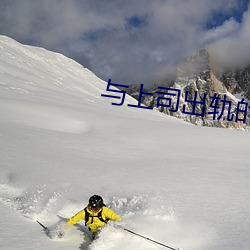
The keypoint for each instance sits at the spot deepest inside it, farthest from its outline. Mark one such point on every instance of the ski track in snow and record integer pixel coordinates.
(145, 214)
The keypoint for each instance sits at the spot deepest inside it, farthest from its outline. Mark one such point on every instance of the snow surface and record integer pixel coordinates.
(61, 141)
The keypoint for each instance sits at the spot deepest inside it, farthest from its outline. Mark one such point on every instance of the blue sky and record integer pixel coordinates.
(218, 17)
(132, 41)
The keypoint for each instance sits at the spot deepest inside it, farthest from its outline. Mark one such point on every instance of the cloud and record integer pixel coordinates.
(127, 41)
(232, 50)
(228, 28)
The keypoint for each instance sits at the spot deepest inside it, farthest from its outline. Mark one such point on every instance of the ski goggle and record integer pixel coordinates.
(94, 208)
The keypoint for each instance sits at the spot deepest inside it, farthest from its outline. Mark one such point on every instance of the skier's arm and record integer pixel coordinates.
(77, 217)
(110, 214)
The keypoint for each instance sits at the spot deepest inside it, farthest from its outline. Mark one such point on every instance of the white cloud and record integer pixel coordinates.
(233, 49)
(228, 28)
(98, 34)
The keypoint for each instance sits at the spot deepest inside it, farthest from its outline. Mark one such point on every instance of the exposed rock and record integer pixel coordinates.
(196, 80)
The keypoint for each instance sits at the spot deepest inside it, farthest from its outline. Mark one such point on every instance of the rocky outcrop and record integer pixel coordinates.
(217, 94)
(237, 81)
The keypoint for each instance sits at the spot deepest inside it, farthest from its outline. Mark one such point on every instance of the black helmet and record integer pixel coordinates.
(96, 202)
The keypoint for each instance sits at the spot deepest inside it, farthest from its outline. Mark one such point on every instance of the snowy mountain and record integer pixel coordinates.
(237, 81)
(61, 142)
(218, 94)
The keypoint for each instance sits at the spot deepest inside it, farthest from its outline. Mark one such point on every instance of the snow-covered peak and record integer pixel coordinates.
(194, 65)
(26, 69)
(49, 81)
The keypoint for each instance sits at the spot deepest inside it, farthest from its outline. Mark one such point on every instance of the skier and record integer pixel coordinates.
(95, 214)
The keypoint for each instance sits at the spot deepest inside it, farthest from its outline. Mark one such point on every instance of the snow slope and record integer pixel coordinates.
(61, 142)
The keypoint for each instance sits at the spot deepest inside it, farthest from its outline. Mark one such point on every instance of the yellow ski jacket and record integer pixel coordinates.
(94, 223)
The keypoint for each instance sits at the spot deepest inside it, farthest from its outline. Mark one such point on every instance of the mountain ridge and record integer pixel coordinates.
(198, 74)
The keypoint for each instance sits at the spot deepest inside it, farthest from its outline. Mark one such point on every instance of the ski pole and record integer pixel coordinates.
(45, 228)
(146, 238)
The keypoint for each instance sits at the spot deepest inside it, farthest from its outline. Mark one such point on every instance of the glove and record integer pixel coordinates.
(60, 234)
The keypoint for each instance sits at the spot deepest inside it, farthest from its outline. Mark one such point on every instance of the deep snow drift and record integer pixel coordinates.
(61, 142)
